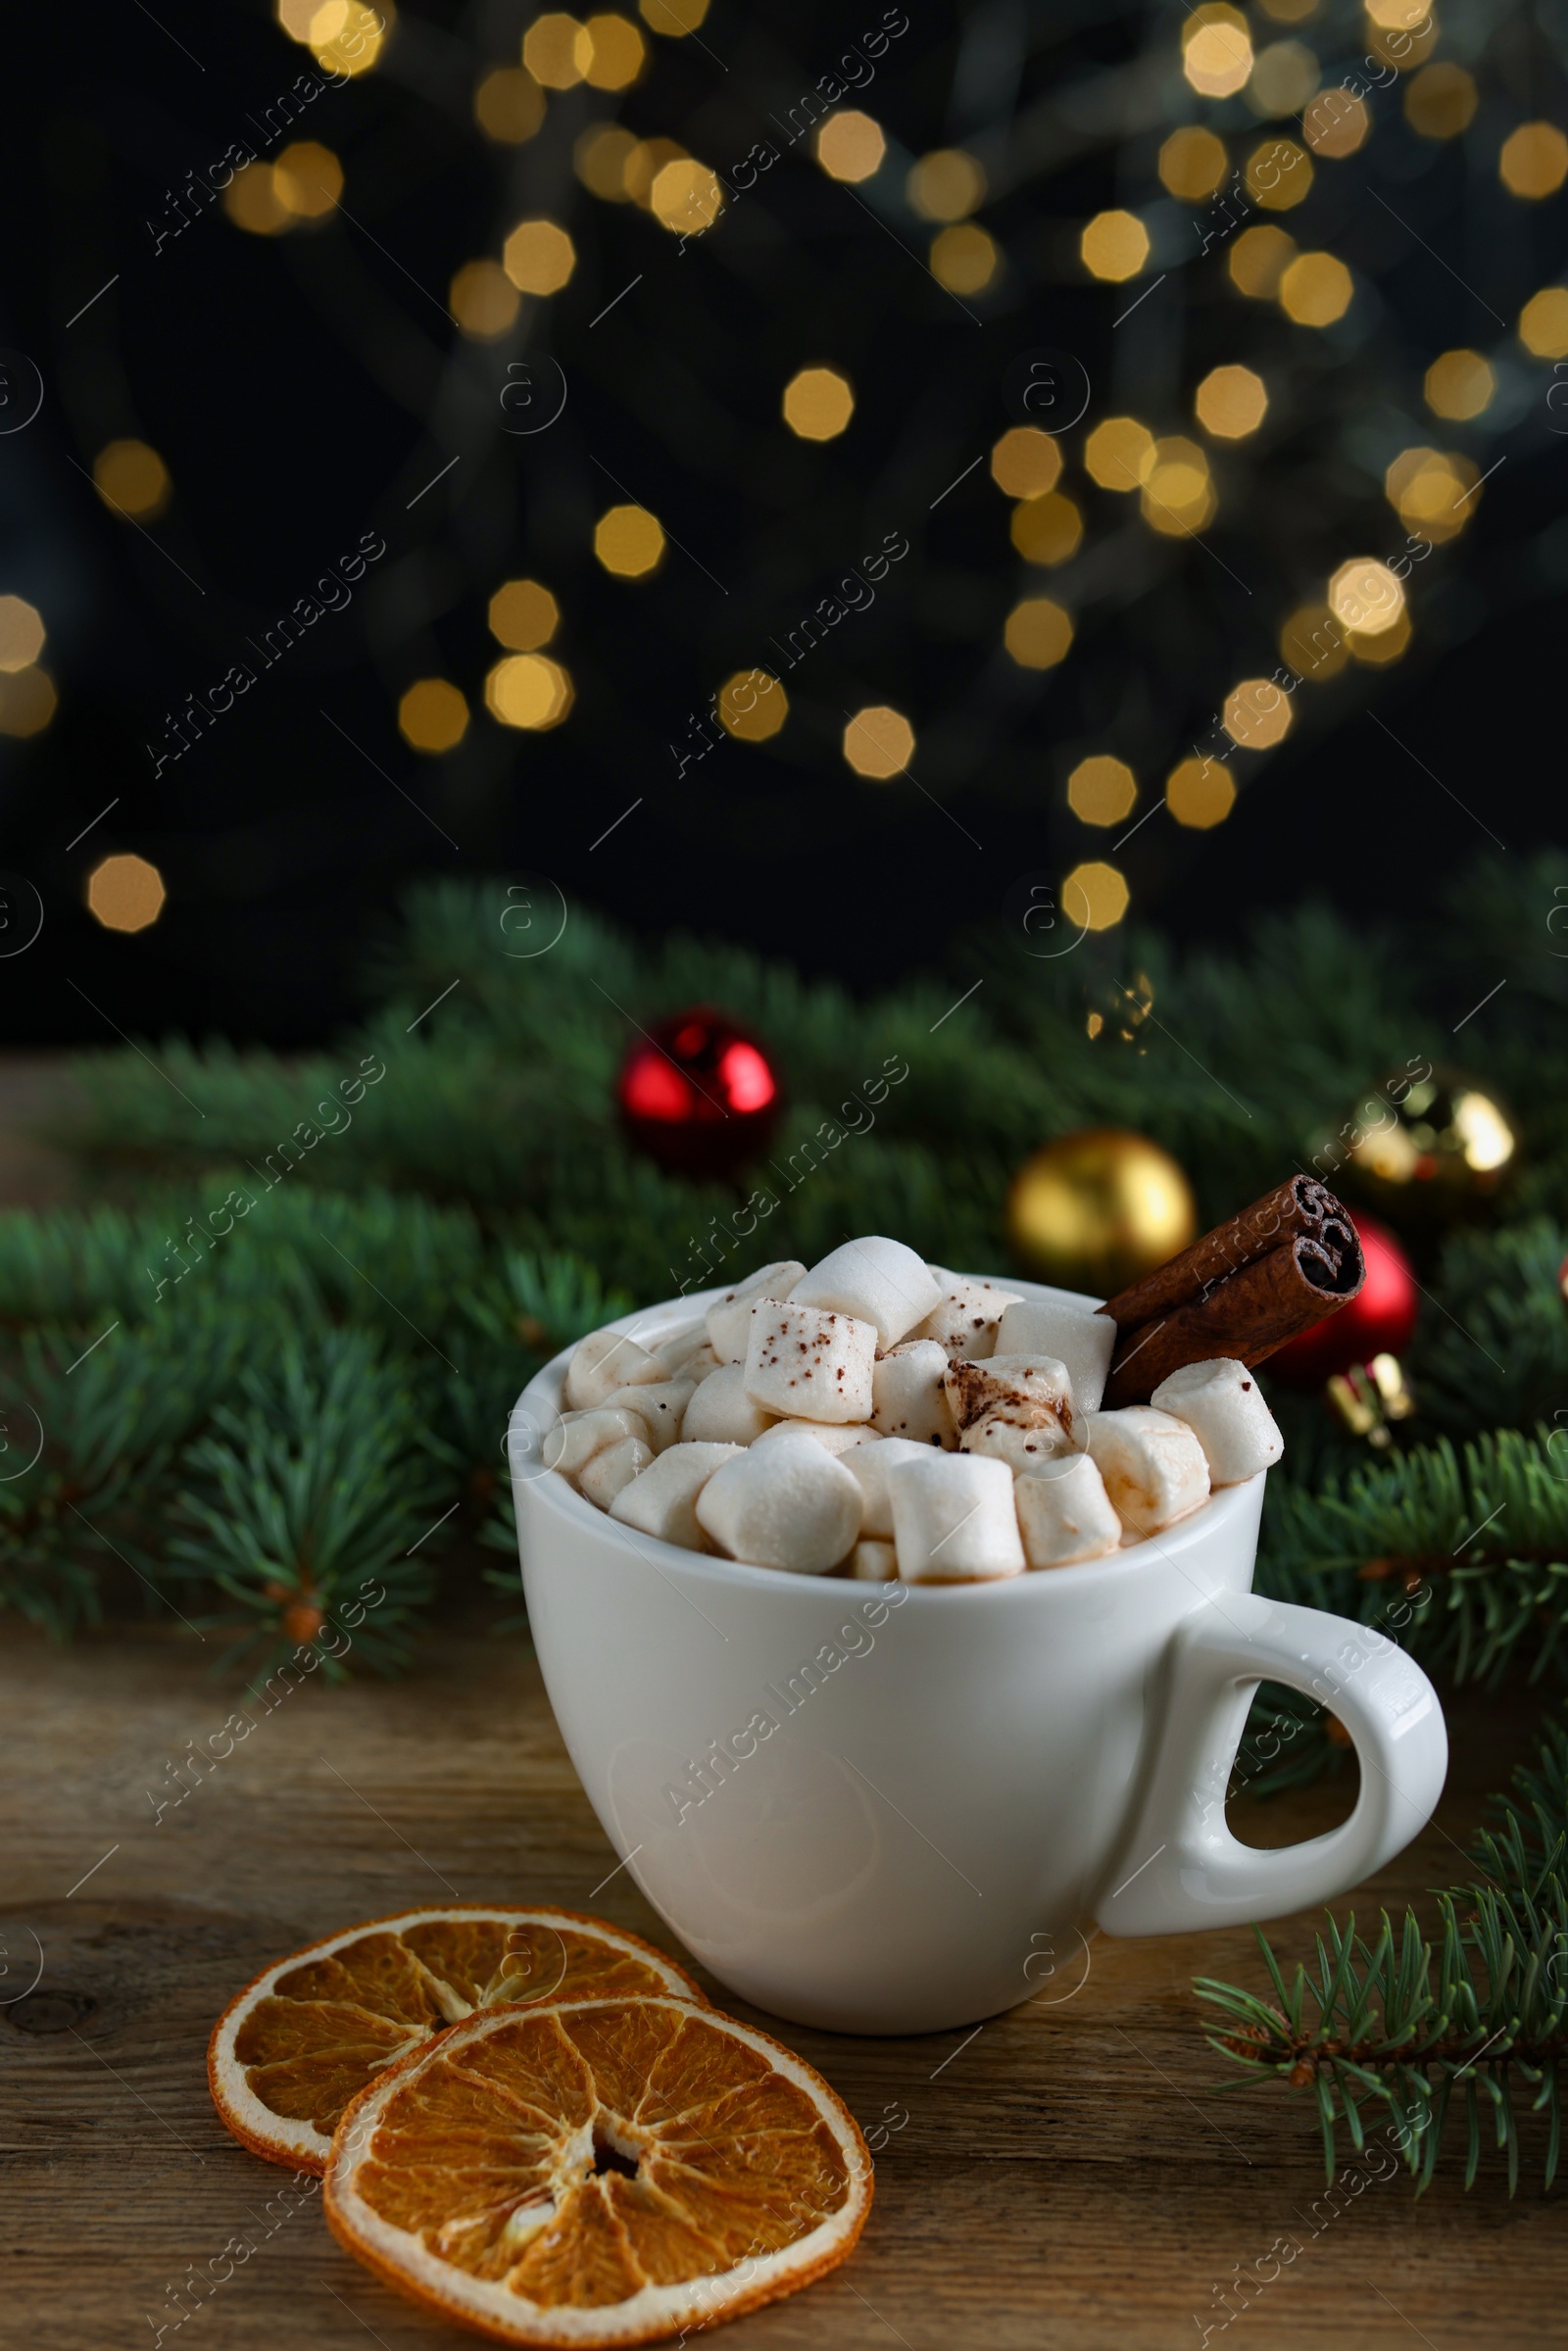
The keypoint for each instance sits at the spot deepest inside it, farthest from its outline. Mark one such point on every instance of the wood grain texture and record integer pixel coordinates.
(1065, 2179)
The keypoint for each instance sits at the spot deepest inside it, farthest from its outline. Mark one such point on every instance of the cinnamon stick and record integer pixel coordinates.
(1243, 1290)
(1301, 1206)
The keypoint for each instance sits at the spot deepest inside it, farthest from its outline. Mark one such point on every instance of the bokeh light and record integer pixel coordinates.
(1544, 323)
(674, 18)
(1259, 258)
(1439, 102)
(556, 51)
(1278, 176)
(126, 893)
(1115, 246)
(644, 164)
(27, 701)
(1191, 163)
(1459, 385)
(1177, 497)
(964, 258)
(1406, 46)
(348, 38)
(253, 203)
(1434, 494)
(1200, 793)
(433, 715)
(1336, 124)
(1230, 403)
(849, 146)
(1316, 290)
(1119, 454)
(1216, 50)
(307, 181)
(1312, 643)
(528, 690)
(1534, 162)
(1256, 714)
(1047, 530)
(22, 633)
(752, 705)
(945, 185)
(508, 105)
(131, 478)
(1100, 892)
(1377, 648)
(538, 257)
(523, 615)
(1283, 79)
(686, 196)
(1102, 790)
(600, 157)
(1366, 598)
(483, 301)
(818, 404)
(878, 742)
(1038, 633)
(1025, 463)
(616, 53)
(629, 541)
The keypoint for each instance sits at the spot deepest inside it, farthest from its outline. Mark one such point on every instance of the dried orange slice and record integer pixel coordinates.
(289, 2053)
(599, 2172)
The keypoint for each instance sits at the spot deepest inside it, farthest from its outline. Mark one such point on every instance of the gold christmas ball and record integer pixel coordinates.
(1096, 1209)
(1426, 1149)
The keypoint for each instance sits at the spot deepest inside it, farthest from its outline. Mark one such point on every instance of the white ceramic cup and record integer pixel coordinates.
(884, 1808)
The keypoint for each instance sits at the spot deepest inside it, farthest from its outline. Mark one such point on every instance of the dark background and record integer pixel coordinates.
(303, 389)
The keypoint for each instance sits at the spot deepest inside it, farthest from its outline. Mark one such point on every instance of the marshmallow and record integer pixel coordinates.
(603, 1362)
(788, 1505)
(907, 1395)
(1024, 1436)
(1153, 1465)
(876, 1281)
(1222, 1404)
(721, 1412)
(687, 1356)
(807, 1364)
(1075, 1335)
(873, 1564)
(661, 1499)
(965, 1322)
(869, 1465)
(729, 1319)
(605, 1476)
(953, 1519)
(576, 1436)
(661, 1403)
(678, 1343)
(1065, 1513)
(836, 1436)
(1013, 1383)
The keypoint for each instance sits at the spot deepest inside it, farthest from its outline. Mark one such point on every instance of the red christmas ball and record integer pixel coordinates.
(1377, 1322)
(699, 1095)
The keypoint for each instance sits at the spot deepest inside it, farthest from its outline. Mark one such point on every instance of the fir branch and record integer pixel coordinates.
(108, 1423)
(1474, 2020)
(312, 1487)
(1461, 1556)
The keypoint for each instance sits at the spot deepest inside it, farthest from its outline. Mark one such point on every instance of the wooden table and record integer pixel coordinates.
(1064, 2177)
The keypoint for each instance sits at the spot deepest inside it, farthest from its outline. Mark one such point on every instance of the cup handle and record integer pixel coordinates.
(1179, 1867)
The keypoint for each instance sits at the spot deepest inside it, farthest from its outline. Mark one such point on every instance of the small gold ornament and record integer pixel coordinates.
(1426, 1149)
(1096, 1209)
(1369, 1397)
